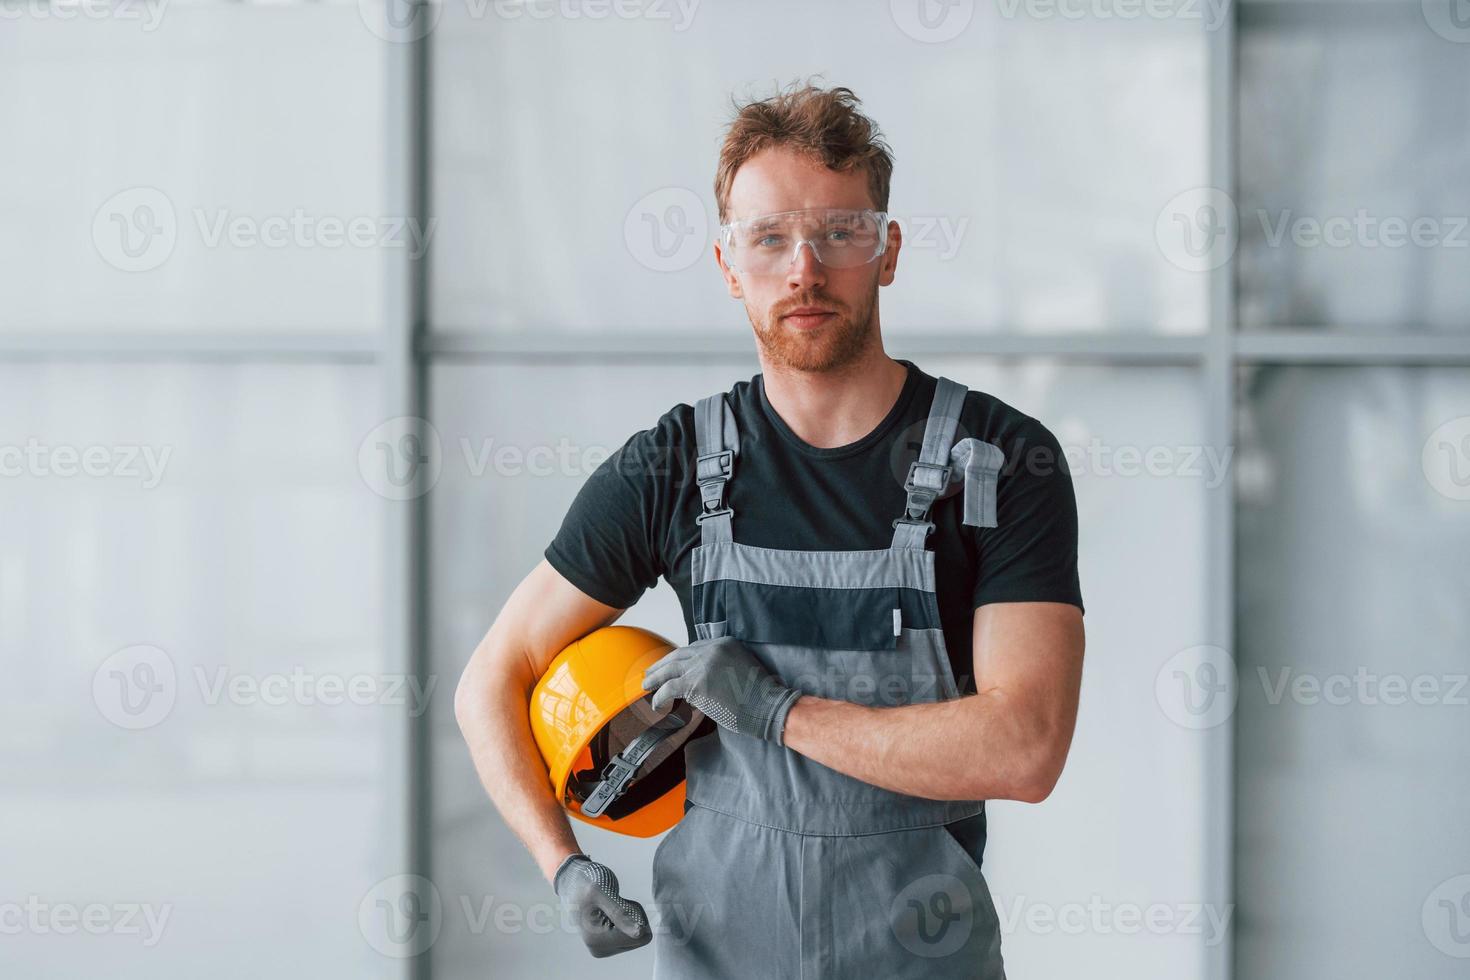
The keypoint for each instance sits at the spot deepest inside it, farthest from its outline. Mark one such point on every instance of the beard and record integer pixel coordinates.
(835, 344)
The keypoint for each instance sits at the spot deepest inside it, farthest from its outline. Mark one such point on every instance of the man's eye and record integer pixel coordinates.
(840, 235)
(769, 241)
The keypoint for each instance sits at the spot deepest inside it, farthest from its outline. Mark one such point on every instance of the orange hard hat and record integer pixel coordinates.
(614, 762)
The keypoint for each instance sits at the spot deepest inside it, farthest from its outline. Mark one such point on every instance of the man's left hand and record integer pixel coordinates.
(724, 680)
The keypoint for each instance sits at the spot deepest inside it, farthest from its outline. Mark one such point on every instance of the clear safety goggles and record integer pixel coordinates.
(840, 238)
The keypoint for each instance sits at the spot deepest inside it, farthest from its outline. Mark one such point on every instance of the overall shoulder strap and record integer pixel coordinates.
(717, 443)
(929, 474)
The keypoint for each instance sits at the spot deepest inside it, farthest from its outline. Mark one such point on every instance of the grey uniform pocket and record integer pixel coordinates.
(962, 854)
(943, 913)
(899, 905)
(674, 882)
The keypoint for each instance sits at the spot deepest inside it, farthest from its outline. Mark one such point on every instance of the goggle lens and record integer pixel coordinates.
(838, 237)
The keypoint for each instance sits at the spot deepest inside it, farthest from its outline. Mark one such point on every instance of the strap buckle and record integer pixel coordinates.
(615, 777)
(621, 767)
(712, 471)
(928, 526)
(923, 484)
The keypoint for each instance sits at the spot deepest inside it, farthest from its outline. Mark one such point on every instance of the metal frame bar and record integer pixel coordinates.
(1219, 423)
(1292, 345)
(344, 347)
(1315, 13)
(404, 393)
(1315, 347)
(420, 760)
(704, 342)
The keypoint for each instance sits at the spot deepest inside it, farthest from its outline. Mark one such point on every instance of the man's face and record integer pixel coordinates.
(845, 301)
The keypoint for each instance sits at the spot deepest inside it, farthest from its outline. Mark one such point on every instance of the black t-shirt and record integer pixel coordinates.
(633, 520)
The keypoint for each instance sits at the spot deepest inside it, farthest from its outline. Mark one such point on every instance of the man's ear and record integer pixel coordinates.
(732, 284)
(889, 263)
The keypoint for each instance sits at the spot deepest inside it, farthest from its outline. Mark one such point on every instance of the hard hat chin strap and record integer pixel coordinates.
(618, 772)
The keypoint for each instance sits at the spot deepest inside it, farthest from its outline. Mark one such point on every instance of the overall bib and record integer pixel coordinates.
(782, 867)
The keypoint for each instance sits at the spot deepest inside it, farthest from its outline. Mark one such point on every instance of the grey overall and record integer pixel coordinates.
(783, 867)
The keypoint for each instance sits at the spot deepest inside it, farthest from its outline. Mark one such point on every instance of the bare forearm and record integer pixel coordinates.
(491, 707)
(971, 748)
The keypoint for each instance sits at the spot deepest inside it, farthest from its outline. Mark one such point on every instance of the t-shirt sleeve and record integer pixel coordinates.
(1031, 553)
(609, 544)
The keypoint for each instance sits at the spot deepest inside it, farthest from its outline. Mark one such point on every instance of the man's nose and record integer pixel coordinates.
(805, 270)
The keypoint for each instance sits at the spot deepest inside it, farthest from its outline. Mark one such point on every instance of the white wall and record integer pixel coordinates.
(571, 162)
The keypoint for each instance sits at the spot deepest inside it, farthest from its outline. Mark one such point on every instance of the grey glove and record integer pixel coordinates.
(610, 924)
(721, 678)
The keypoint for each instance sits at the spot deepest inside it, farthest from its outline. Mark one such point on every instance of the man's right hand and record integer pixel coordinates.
(609, 923)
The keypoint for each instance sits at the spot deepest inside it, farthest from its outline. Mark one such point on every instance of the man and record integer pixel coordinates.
(881, 589)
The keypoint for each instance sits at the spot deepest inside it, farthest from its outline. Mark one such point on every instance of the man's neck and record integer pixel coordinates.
(834, 408)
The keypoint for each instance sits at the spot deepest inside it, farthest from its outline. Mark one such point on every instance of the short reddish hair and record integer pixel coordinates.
(824, 124)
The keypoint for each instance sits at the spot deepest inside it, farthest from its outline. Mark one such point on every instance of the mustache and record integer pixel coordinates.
(781, 309)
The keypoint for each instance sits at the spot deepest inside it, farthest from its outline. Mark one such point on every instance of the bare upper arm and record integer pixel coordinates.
(544, 614)
(1032, 652)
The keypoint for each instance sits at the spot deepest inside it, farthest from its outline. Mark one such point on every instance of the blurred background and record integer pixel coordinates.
(314, 317)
